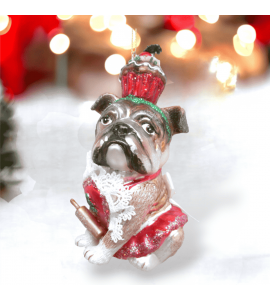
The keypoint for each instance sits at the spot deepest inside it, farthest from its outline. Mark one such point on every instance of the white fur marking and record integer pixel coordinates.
(132, 145)
(98, 254)
(86, 239)
(169, 184)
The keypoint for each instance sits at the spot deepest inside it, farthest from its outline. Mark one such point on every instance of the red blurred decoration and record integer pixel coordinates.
(179, 22)
(262, 26)
(12, 48)
(198, 35)
(145, 54)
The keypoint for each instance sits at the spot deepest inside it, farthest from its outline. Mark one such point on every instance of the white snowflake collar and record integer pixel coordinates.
(117, 194)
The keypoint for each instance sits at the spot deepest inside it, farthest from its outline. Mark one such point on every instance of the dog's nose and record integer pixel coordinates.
(122, 129)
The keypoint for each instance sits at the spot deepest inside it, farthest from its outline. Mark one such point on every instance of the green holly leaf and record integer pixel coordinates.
(91, 205)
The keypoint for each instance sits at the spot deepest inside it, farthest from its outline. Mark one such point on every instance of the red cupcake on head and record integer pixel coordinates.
(143, 77)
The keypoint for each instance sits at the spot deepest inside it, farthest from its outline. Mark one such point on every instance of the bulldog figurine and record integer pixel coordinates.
(123, 181)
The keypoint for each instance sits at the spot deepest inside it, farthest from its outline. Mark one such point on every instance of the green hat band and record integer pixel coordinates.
(157, 109)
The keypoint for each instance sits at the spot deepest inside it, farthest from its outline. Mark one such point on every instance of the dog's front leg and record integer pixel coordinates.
(101, 254)
(106, 248)
(86, 239)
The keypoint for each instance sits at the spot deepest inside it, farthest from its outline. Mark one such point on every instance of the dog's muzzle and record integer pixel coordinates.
(122, 130)
(119, 132)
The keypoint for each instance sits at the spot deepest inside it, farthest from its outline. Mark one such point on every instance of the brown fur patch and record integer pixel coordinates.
(163, 146)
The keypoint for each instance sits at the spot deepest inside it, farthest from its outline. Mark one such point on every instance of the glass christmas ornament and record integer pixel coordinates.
(125, 189)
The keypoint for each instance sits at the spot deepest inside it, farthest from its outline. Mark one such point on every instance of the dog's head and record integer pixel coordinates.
(134, 135)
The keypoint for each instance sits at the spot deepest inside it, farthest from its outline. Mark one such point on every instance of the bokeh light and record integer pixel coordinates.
(247, 34)
(214, 64)
(99, 22)
(64, 17)
(231, 83)
(137, 40)
(176, 50)
(186, 39)
(226, 74)
(243, 49)
(209, 18)
(223, 71)
(59, 43)
(114, 63)
(116, 20)
(121, 37)
(4, 20)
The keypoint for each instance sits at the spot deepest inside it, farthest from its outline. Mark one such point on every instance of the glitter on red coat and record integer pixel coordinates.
(99, 201)
(152, 237)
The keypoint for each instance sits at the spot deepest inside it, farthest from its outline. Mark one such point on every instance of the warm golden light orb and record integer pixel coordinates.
(116, 20)
(114, 63)
(176, 50)
(247, 34)
(59, 43)
(186, 39)
(99, 22)
(223, 71)
(4, 20)
(121, 37)
(241, 48)
(209, 18)
(64, 17)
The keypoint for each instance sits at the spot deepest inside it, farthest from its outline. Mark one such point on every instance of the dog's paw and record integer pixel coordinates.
(145, 263)
(86, 239)
(97, 254)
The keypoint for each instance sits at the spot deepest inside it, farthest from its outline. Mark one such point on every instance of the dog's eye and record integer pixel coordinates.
(148, 128)
(106, 120)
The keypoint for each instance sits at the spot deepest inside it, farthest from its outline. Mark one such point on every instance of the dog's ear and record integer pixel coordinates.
(103, 102)
(177, 119)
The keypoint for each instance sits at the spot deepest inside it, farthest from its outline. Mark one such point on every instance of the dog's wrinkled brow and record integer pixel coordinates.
(141, 114)
(121, 111)
(145, 114)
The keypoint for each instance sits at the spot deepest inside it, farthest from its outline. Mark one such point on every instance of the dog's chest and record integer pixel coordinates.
(153, 191)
